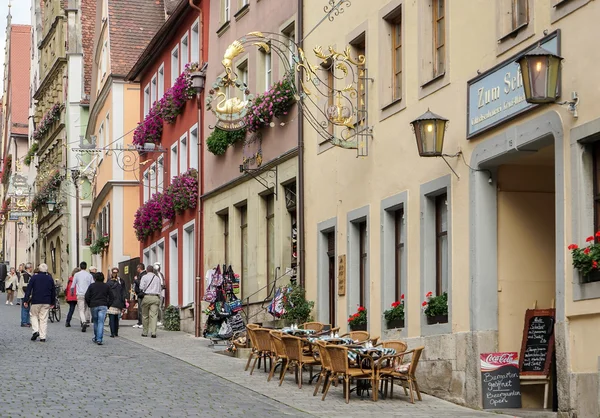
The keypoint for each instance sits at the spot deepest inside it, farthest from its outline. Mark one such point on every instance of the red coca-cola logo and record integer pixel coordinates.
(500, 358)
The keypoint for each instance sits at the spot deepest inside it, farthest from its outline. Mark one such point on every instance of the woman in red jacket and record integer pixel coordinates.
(71, 297)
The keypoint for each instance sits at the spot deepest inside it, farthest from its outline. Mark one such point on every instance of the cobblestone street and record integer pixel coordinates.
(173, 375)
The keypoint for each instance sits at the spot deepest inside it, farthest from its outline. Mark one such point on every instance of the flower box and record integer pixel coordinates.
(396, 323)
(437, 319)
(358, 327)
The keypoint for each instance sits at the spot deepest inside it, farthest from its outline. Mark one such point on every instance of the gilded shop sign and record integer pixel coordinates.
(498, 95)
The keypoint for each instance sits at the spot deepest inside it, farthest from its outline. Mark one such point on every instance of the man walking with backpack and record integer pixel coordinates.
(82, 281)
(23, 282)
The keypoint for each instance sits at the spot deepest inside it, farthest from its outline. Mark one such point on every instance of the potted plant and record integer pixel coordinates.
(87, 241)
(297, 308)
(586, 259)
(395, 315)
(358, 321)
(436, 308)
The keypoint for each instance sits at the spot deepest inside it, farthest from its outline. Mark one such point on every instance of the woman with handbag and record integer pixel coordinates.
(10, 284)
(71, 297)
(117, 288)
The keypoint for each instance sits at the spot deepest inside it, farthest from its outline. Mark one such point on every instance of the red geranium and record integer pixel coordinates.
(358, 318)
(589, 239)
(572, 247)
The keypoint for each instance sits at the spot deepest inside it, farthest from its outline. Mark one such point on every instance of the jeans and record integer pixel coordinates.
(113, 322)
(98, 317)
(72, 306)
(25, 315)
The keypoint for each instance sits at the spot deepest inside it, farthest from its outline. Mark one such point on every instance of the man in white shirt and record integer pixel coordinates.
(151, 287)
(82, 280)
(161, 306)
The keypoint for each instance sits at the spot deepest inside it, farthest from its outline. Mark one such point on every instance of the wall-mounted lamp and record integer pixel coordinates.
(199, 79)
(51, 203)
(20, 225)
(541, 71)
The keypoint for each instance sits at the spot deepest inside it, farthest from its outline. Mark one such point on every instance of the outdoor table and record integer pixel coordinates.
(298, 332)
(331, 340)
(362, 385)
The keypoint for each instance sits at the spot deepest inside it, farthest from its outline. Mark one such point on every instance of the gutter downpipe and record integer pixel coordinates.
(300, 202)
(200, 216)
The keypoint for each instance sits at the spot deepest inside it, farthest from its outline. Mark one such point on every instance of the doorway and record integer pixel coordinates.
(331, 277)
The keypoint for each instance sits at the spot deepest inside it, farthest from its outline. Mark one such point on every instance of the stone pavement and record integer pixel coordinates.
(197, 352)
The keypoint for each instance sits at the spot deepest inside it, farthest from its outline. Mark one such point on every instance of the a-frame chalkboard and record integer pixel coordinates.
(538, 342)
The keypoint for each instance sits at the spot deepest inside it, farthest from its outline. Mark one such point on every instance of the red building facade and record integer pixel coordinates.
(167, 223)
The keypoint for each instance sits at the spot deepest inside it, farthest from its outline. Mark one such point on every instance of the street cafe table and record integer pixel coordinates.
(331, 340)
(363, 356)
(298, 332)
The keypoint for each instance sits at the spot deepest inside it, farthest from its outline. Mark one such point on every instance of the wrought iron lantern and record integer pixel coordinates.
(429, 130)
(51, 203)
(541, 75)
(199, 79)
(20, 225)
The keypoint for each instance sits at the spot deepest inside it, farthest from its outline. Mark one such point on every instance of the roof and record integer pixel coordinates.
(132, 24)
(171, 5)
(162, 37)
(88, 21)
(20, 62)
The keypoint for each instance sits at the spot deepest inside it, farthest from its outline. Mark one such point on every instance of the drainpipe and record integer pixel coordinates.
(300, 189)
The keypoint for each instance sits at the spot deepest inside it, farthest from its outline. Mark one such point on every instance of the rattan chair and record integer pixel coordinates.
(387, 365)
(404, 373)
(360, 336)
(296, 356)
(280, 354)
(264, 348)
(316, 326)
(340, 367)
(253, 353)
(325, 367)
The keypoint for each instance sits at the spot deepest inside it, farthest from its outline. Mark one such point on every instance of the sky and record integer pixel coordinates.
(21, 14)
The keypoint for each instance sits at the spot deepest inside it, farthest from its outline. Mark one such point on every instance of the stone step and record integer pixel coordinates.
(526, 413)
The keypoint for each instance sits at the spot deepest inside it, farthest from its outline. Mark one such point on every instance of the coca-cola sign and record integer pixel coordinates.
(500, 381)
(501, 359)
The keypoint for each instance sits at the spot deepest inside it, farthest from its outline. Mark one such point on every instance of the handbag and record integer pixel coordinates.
(235, 305)
(225, 331)
(143, 292)
(236, 323)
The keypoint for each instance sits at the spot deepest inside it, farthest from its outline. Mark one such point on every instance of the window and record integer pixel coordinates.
(160, 175)
(189, 271)
(104, 66)
(290, 34)
(225, 11)
(173, 270)
(359, 46)
(268, 70)
(195, 43)
(107, 142)
(242, 71)
(243, 211)
(194, 147)
(185, 50)
(363, 262)
(174, 64)
(146, 100)
(174, 161)
(519, 14)
(225, 222)
(439, 37)
(183, 153)
(596, 164)
(398, 252)
(161, 82)
(441, 244)
(396, 24)
(270, 203)
(146, 185)
(153, 90)
(100, 144)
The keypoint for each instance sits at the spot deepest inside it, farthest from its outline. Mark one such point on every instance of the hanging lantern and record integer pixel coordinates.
(429, 130)
(541, 75)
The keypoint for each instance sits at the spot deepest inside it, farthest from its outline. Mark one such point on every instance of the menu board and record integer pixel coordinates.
(500, 384)
(538, 342)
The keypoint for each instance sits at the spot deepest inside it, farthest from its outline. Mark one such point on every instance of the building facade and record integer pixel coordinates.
(166, 221)
(108, 232)
(15, 228)
(491, 227)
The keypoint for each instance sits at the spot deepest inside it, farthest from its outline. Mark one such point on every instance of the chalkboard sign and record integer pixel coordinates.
(500, 384)
(538, 342)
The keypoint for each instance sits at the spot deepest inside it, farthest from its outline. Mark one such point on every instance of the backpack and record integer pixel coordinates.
(71, 291)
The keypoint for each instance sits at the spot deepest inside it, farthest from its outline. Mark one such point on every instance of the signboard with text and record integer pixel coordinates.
(538, 342)
(498, 94)
(500, 383)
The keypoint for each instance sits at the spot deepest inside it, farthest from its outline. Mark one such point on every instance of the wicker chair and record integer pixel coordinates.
(387, 365)
(316, 326)
(325, 367)
(404, 373)
(280, 354)
(264, 349)
(340, 367)
(360, 336)
(296, 356)
(250, 333)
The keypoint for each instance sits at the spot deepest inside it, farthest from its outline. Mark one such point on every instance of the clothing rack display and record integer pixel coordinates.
(224, 318)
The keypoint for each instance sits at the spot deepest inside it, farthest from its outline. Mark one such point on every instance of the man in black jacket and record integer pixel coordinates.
(98, 297)
(141, 271)
(41, 295)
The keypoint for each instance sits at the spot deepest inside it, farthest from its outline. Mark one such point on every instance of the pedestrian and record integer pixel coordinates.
(141, 271)
(10, 284)
(82, 280)
(161, 307)
(39, 297)
(98, 297)
(71, 297)
(150, 286)
(93, 269)
(21, 289)
(117, 287)
(20, 294)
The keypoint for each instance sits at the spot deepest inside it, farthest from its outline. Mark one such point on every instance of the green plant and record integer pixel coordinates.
(297, 308)
(397, 311)
(219, 140)
(435, 305)
(358, 318)
(586, 259)
(100, 245)
(171, 318)
(31, 153)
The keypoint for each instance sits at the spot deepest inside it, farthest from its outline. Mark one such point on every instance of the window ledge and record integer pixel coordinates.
(391, 104)
(560, 3)
(513, 33)
(242, 12)
(433, 80)
(223, 29)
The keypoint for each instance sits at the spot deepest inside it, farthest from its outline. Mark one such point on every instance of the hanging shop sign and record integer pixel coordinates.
(20, 214)
(497, 95)
(342, 275)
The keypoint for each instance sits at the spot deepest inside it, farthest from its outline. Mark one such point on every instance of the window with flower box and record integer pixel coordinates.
(195, 42)
(161, 82)
(185, 50)
(174, 64)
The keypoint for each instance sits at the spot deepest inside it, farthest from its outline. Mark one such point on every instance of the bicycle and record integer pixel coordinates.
(55, 313)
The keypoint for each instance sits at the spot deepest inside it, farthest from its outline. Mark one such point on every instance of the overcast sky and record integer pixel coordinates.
(21, 14)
